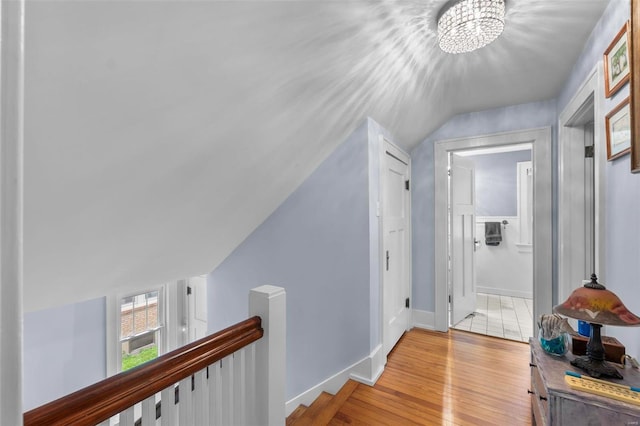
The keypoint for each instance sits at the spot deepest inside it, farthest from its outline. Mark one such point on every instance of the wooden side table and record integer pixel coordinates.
(553, 402)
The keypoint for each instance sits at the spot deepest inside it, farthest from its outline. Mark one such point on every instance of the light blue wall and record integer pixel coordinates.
(611, 21)
(315, 245)
(623, 245)
(622, 208)
(516, 117)
(64, 350)
(497, 182)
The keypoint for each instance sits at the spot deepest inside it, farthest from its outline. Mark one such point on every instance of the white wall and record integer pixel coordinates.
(505, 269)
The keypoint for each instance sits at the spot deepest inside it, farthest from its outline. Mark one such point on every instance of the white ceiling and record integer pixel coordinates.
(159, 134)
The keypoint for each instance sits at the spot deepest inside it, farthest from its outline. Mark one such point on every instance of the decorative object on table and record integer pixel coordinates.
(554, 334)
(598, 306)
(618, 128)
(632, 361)
(614, 351)
(584, 328)
(600, 387)
(617, 66)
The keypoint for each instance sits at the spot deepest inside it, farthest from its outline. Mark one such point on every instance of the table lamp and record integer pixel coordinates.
(598, 306)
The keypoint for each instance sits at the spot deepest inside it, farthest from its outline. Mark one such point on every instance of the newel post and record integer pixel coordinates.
(269, 302)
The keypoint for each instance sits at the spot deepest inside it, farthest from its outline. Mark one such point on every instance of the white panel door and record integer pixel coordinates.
(395, 259)
(462, 223)
(197, 307)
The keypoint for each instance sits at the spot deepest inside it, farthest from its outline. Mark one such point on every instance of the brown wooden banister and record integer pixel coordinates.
(104, 399)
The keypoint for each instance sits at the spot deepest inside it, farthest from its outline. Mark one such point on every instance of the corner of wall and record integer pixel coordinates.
(423, 319)
(367, 371)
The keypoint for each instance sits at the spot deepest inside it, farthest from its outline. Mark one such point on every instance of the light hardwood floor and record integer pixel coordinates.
(435, 378)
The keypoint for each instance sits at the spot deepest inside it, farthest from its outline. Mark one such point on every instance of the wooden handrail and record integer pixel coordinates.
(104, 399)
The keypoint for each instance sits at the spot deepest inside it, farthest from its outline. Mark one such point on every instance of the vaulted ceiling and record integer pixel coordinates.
(159, 134)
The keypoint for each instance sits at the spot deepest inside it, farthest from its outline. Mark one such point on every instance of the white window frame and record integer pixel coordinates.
(114, 343)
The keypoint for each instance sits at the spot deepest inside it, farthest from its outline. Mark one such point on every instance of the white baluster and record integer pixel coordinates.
(185, 404)
(168, 412)
(201, 398)
(250, 384)
(239, 400)
(227, 391)
(215, 394)
(149, 411)
(127, 417)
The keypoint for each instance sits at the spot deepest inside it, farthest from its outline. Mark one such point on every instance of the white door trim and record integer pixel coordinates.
(542, 236)
(398, 152)
(570, 176)
(11, 215)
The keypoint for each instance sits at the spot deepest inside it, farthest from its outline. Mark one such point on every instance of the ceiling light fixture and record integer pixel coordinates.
(467, 25)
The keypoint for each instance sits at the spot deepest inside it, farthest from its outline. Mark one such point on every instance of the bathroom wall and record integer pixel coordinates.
(506, 269)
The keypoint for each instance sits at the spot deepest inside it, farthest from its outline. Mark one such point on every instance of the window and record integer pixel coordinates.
(141, 320)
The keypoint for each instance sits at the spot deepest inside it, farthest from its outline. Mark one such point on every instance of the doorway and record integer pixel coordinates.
(581, 192)
(495, 187)
(540, 140)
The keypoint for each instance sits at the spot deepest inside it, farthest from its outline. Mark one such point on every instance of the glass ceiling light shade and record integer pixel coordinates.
(595, 304)
(598, 306)
(467, 25)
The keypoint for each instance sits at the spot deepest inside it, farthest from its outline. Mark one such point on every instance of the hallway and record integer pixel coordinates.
(434, 378)
(500, 316)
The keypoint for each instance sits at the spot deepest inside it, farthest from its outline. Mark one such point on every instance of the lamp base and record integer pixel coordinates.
(596, 368)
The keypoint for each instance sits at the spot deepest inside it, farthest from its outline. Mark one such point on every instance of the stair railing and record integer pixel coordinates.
(233, 377)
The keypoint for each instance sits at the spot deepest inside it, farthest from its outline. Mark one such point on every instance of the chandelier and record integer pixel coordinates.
(467, 25)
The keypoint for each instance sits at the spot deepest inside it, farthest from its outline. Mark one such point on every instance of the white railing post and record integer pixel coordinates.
(269, 302)
(11, 208)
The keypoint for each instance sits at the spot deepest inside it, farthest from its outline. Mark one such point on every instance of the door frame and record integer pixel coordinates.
(12, 288)
(571, 214)
(188, 299)
(382, 152)
(540, 140)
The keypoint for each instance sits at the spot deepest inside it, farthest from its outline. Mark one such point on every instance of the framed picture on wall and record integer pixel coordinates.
(617, 66)
(618, 124)
(635, 86)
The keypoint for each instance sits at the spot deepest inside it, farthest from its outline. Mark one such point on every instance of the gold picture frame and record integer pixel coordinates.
(617, 65)
(618, 127)
(635, 85)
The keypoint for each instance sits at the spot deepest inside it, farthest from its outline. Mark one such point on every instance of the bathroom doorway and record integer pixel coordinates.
(502, 261)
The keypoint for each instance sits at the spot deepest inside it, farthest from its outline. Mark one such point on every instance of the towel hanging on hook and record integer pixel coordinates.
(492, 233)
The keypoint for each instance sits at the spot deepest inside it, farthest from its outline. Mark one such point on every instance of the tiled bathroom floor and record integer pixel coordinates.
(501, 316)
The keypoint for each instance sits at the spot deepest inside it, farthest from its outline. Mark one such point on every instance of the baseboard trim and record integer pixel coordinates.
(424, 319)
(369, 370)
(505, 292)
(366, 371)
